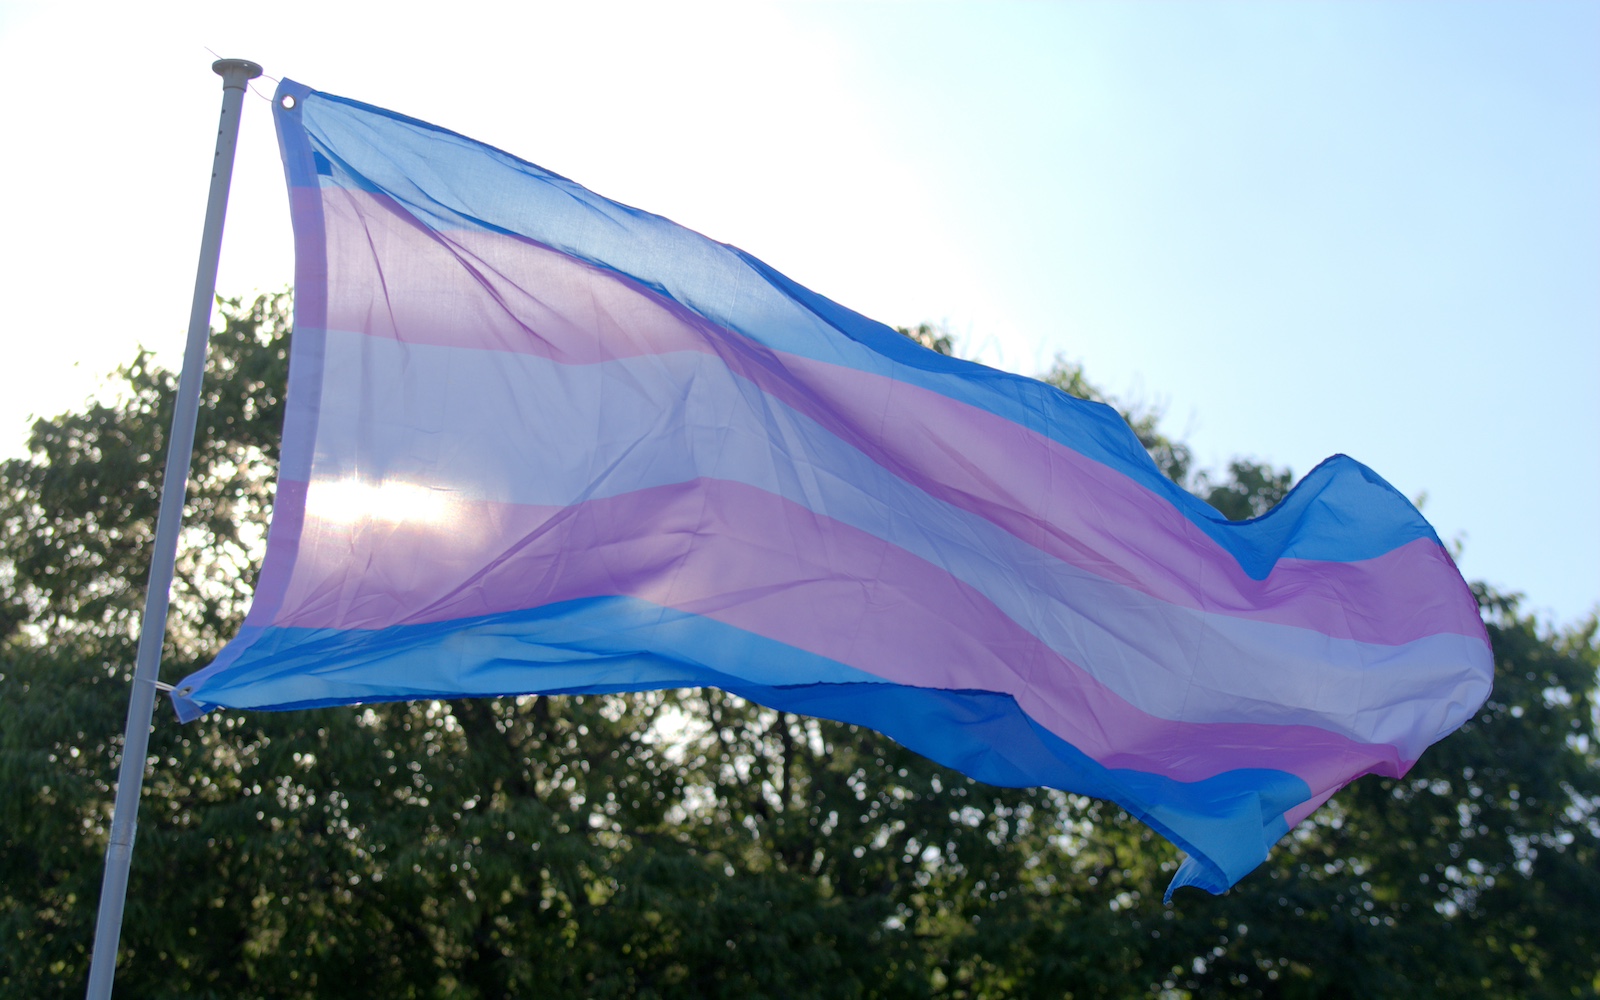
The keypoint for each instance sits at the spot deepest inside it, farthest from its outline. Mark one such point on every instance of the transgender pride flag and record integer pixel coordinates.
(538, 441)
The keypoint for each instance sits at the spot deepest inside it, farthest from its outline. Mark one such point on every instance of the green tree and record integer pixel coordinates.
(1249, 489)
(688, 843)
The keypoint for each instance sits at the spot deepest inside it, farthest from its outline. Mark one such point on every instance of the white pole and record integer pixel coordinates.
(236, 74)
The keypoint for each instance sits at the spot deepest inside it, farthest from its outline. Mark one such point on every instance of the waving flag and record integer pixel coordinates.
(540, 442)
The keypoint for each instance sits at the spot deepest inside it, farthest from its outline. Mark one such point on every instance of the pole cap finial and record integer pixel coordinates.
(235, 72)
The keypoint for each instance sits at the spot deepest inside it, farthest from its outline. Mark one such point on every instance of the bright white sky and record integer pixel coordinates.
(1301, 228)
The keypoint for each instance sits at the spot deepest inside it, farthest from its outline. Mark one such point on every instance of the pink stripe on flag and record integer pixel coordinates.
(758, 562)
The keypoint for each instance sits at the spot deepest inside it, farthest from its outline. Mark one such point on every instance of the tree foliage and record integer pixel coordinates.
(689, 843)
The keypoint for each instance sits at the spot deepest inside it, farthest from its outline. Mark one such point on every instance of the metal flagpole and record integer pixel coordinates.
(236, 74)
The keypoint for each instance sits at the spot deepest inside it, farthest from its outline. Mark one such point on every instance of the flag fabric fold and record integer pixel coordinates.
(541, 442)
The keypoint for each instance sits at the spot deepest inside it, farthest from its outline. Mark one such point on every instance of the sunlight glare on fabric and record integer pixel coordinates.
(392, 501)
